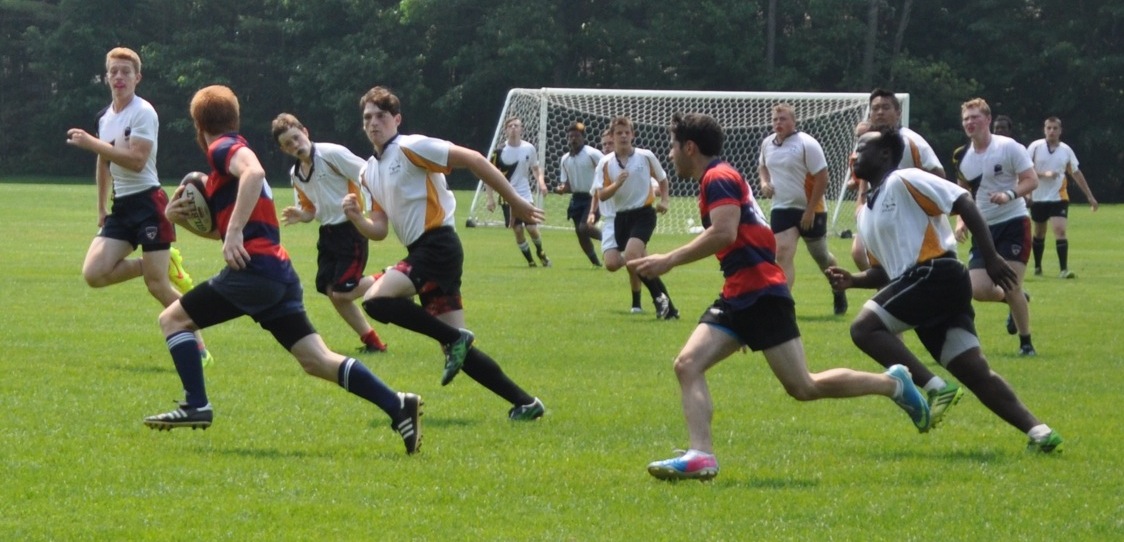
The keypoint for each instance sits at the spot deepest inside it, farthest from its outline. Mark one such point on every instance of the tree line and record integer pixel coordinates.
(453, 61)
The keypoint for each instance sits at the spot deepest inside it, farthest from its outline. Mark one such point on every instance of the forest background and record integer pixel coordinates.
(453, 61)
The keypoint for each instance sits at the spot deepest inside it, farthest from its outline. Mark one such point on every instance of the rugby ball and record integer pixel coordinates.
(195, 192)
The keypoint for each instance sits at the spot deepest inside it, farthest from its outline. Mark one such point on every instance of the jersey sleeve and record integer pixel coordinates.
(655, 169)
(814, 158)
(146, 125)
(1020, 159)
(428, 153)
(344, 161)
(562, 175)
(1071, 159)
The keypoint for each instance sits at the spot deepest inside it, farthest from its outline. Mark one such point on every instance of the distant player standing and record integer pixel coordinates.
(793, 171)
(258, 281)
(406, 180)
(322, 175)
(1054, 163)
(998, 172)
(577, 169)
(625, 178)
(755, 308)
(518, 160)
(923, 286)
(126, 165)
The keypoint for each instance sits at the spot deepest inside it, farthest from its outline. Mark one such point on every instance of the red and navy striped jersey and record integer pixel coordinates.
(262, 234)
(750, 262)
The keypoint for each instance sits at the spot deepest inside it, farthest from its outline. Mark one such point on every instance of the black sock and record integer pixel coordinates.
(358, 379)
(1038, 245)
(1063, 253)
(526, 250)
(403, 312)
(593, 258)
(636, 298)
(1024, 340)
(655, 286)
(189, 365)
(483, 369)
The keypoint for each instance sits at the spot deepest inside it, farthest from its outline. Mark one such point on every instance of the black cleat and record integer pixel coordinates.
(409, 427)
(184, 416)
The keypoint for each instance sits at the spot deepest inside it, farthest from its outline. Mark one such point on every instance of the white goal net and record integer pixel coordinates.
(746, 118)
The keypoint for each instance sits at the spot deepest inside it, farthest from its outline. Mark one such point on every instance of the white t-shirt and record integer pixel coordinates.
(1061, 161)
(408, 184)
(521, 159)
(136, 120)
(918, 153)
(791, 166)
(905, 221)
(636, 191)
(579, 169)
(335, 174)
(993, 170)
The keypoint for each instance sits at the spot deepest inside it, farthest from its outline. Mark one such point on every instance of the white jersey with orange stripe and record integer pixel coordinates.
(918, 153)
(407, 182)
(636, 191)
(1052, 167)
(906, 220)
(333, 175)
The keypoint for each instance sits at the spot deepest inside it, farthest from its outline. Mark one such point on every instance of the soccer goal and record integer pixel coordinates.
(746, 118)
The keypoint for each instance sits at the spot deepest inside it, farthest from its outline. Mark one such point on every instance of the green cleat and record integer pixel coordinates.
(206, 357)
(527, 413)
(178, 275)
(455, 352)
(1050, 443)
(940, 401)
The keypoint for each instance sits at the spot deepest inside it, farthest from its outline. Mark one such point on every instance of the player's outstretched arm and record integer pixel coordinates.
(841, 279)
(723, 231)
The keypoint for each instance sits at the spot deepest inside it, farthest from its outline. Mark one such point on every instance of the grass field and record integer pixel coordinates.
(294, 458)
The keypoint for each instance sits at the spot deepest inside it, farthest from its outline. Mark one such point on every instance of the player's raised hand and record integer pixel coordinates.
(839, 278)
(350, 206)
(526, 212)
(292, 215)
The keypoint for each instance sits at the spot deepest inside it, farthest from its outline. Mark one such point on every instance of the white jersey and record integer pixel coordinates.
(636, 191)
(791, 166)
(919, 153)
(136, 120)
(905, 221)
(517, 163)
(994, 170)
(1061, 162)
(408, 184)
(579, 169)
(334, 174)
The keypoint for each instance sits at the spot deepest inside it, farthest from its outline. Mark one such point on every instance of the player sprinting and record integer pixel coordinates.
(406, 181)
(924, 287)
(610, 251)
(322, 174)
(755, 308)
(625, 179)
(258, 281)
(126, 165)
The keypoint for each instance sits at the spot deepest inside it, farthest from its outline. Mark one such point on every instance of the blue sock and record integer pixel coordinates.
(189, 365)
(358, 379)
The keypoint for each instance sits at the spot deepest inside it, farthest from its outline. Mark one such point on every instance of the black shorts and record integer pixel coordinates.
(634, 224)
(139, 220)
(784, 219)
(435, 261)
(932, 298)
(508, 222)
(768, 322)
(1012, 241)
(341, 257)
(578, 211)
(231, 294)
(1043, 211)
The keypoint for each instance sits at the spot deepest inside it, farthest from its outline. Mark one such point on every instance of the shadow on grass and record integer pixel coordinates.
(268, 453)
(147, 369)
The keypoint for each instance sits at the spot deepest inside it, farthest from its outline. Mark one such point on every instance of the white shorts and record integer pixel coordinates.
(608, 235)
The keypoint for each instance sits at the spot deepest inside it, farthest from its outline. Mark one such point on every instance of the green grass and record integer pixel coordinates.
(295, 458)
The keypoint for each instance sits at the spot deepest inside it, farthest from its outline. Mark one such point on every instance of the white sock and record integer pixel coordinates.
(1038, 432)
(898, 389)
(935, 383)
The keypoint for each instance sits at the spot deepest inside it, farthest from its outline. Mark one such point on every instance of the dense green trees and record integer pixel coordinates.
(454, 60)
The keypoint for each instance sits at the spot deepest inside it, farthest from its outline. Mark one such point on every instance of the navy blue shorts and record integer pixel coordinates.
(784, 219)
(768, 322)
(139, 219)
(1012, 241)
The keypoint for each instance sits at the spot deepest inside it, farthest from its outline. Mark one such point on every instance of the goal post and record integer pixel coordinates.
(746, 118)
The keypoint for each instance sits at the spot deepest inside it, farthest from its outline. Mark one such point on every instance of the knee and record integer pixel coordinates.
(685, 366)
(805, 391)
(173, 319)
(377, 308)
(94, 278)
(861, 332)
